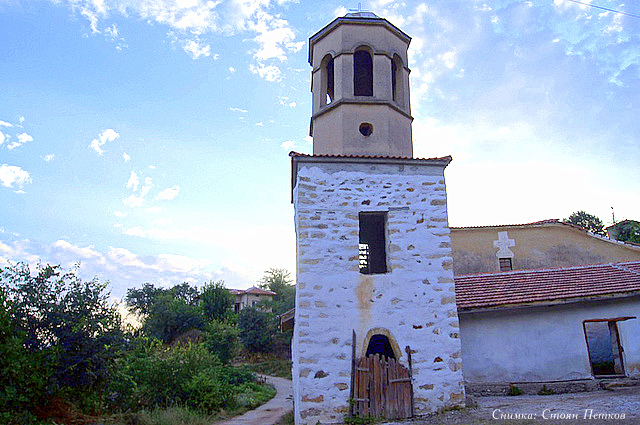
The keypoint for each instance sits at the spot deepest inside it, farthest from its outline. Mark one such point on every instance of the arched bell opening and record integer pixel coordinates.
(362, 72)
(327, 89)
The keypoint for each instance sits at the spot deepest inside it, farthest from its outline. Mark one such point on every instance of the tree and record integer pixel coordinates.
(216, 300)
(221, 338)
(279, 281)
(66, 320)
(170, 316)
(140, 300)
(628, 231)
(256, 329)
(587, 221)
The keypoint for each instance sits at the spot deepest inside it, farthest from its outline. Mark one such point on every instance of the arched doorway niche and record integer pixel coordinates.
(378, 340)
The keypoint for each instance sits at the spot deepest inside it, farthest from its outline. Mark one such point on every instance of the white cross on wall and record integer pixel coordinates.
(503, 243)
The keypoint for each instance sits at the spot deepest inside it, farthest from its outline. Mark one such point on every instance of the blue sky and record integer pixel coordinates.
(148, 140)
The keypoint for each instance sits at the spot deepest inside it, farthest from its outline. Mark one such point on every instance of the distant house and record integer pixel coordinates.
(250, 297)
(624, 230)
(550, 325)
(540, 245)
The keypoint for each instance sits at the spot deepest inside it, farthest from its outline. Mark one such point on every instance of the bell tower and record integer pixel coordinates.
(376, 326)
(360, 87)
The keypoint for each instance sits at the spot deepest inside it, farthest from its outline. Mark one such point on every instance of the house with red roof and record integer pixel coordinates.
(250, 297)
(561, 324)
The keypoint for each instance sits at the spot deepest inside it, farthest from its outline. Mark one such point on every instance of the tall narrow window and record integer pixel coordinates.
(372, 246)
(396, 79)
(327, 80)
(362, 73)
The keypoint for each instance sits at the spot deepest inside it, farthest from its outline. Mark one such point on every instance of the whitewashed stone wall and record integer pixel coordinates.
(414, 301)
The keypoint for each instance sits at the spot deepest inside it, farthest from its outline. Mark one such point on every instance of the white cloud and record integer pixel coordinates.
(87, 252)
(152, 167)
(120, 214)
(288, 145)
(242, 111)
(108, 135)
(136, 231)
(162, 222)
(133, 201)
(154, 210)
(126, 157)
(147, 186)
(292, 105)
(22, 139)
(179, 263)
(269, 72)
(133, 182)
(232, 70)
(48, 158)
(124, 257)
(5, 124)
(2, 137)
(13, 176)
(169, 193)
(196, 48)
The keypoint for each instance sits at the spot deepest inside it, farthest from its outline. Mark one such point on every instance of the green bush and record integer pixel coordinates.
(68, 335)
(153, 375)
(221, 339)
(256, 329)
(23, 374)
(170, 317)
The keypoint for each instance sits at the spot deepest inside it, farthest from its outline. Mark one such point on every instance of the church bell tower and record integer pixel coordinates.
(360, 86)
(376, 326)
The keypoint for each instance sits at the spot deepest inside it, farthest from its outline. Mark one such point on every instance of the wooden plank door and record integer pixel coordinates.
(382, 388)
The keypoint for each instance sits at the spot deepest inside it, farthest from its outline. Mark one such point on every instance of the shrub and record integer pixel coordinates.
(221, 339)
(70, 333)
(153, 375)
(256, 329)
(170, 317)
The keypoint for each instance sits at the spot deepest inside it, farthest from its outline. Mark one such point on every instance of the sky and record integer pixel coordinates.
(148, 140)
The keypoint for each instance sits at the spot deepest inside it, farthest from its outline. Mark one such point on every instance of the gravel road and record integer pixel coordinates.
(621, 406)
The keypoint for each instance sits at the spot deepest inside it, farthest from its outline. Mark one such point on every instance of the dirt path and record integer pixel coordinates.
(270, 412)
(622, 406)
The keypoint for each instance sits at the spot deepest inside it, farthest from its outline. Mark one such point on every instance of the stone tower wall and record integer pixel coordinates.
(414, 302)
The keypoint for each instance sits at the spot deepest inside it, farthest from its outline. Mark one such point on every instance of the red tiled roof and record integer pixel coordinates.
(294, 154)
(535, 223)
(546, 286)
(253, 290)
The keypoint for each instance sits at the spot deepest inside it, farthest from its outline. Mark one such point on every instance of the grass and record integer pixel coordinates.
(286, 419)
(271, 366)
(253, 396)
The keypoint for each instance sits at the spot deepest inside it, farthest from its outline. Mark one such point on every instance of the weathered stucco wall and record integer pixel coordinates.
(414, 301)
(542, 343)
(536, 246)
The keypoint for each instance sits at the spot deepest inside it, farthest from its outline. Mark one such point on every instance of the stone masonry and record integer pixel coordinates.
(413, 303)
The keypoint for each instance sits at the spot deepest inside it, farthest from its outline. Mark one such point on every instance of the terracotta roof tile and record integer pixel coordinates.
(294, 154)
(536, 286)
(253, 290)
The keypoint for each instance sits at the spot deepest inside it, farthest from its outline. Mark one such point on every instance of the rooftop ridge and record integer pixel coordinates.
(549, 269)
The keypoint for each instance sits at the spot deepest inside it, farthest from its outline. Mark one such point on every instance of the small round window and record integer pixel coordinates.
(366, 129)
